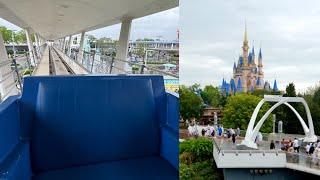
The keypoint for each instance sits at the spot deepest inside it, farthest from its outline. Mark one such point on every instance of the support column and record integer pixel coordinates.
(63, 47)
(122, 46)
(30, 47)
(80, 55)
(37, 44)
(7, 82)
(69, 47)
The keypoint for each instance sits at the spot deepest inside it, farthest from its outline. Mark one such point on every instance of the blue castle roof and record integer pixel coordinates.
(239, 85)
(233, 85)
(241, 60)
(275, 86)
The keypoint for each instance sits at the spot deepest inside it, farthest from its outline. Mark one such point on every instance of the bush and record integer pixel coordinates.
(196, 160)
(200, 148)
(200, 170)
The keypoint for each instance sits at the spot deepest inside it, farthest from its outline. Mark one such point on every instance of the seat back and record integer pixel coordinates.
(82, 120)
(9, 127)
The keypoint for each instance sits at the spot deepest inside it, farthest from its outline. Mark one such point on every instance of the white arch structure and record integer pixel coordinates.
(252, 131)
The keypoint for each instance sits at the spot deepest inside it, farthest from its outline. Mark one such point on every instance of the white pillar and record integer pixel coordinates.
(80, 55)
(122, 46)
(30, 47)
(37, 44)
(62, 44)
(7, 83)
(69, 47)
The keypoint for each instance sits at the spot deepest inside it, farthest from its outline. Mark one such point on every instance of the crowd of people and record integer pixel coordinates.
(214, 131)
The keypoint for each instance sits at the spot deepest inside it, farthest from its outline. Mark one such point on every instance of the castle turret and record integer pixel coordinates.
(275, 86)
(253, 56)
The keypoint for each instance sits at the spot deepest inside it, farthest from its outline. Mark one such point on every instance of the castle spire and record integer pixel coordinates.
(245, 32)
(260, 57)
(275, 86)
(245, 47)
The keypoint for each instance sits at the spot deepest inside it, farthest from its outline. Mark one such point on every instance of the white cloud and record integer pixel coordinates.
(288, 32)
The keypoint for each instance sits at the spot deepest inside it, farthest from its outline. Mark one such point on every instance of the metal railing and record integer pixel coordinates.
(309, 161)
(103, 64)
(226, 149)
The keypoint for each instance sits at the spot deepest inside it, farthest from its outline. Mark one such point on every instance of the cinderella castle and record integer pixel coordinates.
(247, 73)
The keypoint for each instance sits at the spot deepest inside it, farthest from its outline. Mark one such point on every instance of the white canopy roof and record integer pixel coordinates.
(53, 19)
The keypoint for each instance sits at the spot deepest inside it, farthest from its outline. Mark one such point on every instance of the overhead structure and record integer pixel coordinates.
(54, 19)
(252, 131)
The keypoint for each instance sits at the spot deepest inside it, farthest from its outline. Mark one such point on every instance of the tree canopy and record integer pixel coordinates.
(238, 111)
(211, 96)
(191, 105)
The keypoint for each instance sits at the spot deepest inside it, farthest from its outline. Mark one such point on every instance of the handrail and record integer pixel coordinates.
(216, 145)
(111, 65)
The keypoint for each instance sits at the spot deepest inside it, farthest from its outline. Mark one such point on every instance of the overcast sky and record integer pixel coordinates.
(164, 24)
(212, 34)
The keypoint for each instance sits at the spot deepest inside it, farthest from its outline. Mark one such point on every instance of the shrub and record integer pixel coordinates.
(200, 148)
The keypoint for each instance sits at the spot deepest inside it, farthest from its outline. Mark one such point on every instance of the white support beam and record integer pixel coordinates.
(80, 55)
(7, 83)
(37, 44)
(122, 46)
(69, 46)
(30, 47)
(63, 44)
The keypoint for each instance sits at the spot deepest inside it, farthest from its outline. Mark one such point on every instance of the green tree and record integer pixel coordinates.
(6, 34)
(238, 111)
(211, 96)
(291, 124)
(20, 37)
(191, 104)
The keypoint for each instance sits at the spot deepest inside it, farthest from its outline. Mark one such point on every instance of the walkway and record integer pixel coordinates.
(43, 67)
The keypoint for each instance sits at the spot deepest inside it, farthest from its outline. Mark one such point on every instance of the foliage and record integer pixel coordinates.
(200, 148)
(6, 34)
(196, 160)
(20, 36)
(291, 124)
(262, 92)
(141, 50)
(238, 111)
(211, 96)
(190, 104)
(200, 170)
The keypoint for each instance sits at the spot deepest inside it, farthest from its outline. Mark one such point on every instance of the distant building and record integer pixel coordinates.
(208, 115)
(248, 73)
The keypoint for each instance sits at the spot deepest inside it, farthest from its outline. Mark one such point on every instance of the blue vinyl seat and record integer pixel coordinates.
(90, 127)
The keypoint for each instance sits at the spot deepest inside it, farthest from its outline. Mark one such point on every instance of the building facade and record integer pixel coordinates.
(248, 72)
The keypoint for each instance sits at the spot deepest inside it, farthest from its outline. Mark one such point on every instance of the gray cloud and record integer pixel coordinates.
(287, 31)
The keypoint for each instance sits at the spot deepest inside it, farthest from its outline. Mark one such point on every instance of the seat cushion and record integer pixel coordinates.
(142, 168)
(83, 121)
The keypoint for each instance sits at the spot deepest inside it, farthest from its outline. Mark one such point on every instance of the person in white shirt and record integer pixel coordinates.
(296, 145)
(308, 148)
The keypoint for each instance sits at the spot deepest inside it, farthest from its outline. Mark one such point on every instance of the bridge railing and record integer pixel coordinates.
(308, 161)
(103, 64)
(12, 76)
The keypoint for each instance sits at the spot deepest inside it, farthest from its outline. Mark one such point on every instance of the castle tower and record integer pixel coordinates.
(245, 69)
(245, 47)
(260, 66)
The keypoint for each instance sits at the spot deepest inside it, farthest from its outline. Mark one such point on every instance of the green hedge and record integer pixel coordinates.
(196, 160)
(200, 148)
